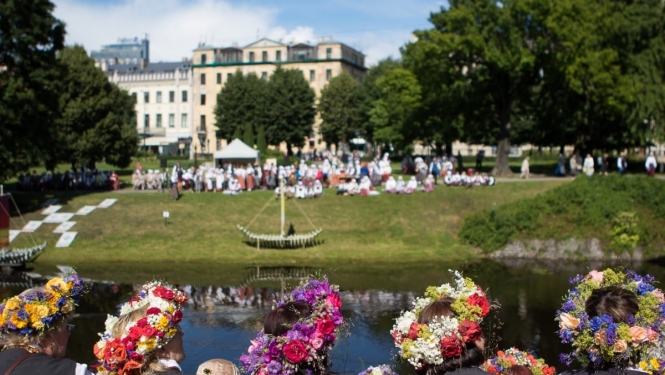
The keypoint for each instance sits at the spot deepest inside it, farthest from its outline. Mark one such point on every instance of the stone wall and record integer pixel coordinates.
(570, 249)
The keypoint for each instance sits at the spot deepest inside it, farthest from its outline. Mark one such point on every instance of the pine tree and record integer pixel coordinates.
(261, 140)
(248, 137)
(237, 134)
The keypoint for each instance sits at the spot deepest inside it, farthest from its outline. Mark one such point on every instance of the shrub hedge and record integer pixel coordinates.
(588, 207)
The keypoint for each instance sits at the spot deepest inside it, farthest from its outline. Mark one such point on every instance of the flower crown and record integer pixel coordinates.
(379, 370)
(122, 355)
(513, 356)
(308, 340)
(444, 337)
(601, 339)
(35, 312)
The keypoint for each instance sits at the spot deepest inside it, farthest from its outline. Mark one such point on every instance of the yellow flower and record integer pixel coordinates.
(36, 312)
(13, 303)
(147, 345)
(644, 367)
(171, 332)
(18, 322)
(162, 324)
(654, 363)
(58, 285)
(38, 324)
(3, 320)
(68, 307)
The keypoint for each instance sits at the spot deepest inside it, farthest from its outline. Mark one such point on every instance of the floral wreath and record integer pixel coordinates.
(379, 370)
(513, 356)
(35, 312)
(122, 355)
(600, 339)
(425, 345)
(308, 340)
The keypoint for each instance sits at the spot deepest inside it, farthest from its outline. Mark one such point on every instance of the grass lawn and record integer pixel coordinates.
(389, 229)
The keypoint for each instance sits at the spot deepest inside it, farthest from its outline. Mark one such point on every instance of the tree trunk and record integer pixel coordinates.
(449, 148)
(501, 167)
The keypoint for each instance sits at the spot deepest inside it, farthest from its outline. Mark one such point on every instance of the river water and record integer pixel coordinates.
(220, 319)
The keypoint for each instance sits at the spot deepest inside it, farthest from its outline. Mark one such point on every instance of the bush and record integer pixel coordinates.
(619, 211)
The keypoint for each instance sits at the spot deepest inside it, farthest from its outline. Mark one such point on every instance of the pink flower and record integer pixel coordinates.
(295, 351)
(316, 342)
(567, 321)
(638, 335)
(659, 294)
(596, 276)
(652, 335)
(255, 344)
(334, 301)
(324, 326)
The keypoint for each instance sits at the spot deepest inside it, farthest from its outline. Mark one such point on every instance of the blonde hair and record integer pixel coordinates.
(13, 338)
(151, 366)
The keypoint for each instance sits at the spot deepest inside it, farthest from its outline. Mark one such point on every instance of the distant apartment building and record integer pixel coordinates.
(128, 51)
(212, 66)
(163, 97)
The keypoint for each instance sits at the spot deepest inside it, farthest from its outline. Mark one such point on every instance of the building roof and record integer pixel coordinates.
(160, 67)
(265, 42)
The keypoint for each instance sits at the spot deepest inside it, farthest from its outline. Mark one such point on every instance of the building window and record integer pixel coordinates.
(251, 57)
(264, 75)
(203, 123)
(146, 97)
(203, 99)
(328, 53)
(355, 59)
(228, 76)
(183, 120)
(204, 58)
(219, 78)
(146, 121)
(203, 78)
(171, 96)
(134, 98)
(171, 120)
(312, 75)
(328, 74)
(184, 96)
(264, 56)
(278, 56)
(158, 121)
(159, 97)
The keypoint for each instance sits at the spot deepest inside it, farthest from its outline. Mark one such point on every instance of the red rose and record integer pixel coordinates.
(142, 322)
(325, 326)
(295, 351)
(549, 370)
(115, 352)
(413, 331)
(480, 301)
(177, 317)
(451, 347)
(153, 311)
(492, 370)
(164, 293)
(149, 331)
(136, 357)
(130, 366)
(334, 300)
(397, 337)
(129, 343)
(470, 331)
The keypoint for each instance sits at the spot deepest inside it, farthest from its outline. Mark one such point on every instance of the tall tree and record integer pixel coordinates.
(369, 92)
(261, 144)
(291, 110)
(30, 37)
(98, 121)
(248, 136)
(242, 101)
(393, 113)
(487, 45)
(339, 109)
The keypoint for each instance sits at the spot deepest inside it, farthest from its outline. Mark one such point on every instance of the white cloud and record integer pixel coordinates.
(176, 27)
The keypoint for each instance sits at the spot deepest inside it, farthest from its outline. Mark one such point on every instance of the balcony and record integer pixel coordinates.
(154, 131)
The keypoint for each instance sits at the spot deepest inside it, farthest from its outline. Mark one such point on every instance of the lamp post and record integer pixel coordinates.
(202, 136)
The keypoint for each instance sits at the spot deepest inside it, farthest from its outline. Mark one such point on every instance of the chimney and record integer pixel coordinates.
(143, 63)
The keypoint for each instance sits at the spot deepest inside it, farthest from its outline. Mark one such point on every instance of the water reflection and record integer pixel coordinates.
(220, 319)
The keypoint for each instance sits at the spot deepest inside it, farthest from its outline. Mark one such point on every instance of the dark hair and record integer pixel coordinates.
(472, 355)
(519, 370)
(616, 302)
(280, 320)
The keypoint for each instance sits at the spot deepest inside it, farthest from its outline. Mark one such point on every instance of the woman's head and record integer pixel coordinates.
(147, 330)
(40, 315)
(279, 321)
(614, 301)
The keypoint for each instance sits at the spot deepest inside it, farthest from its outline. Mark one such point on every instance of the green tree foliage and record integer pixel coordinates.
(29, 39)
(248, 137)
(369, 92)
(242, 101)
(339, 109)
(291, 110)
(261, 144)
(392, 114)
(97, 120)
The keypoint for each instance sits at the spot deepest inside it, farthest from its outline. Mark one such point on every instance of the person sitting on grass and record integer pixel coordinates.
(428, 185)
(391, 184)
(411, 186)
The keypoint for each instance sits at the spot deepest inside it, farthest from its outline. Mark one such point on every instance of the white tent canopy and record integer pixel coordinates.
(237, 151)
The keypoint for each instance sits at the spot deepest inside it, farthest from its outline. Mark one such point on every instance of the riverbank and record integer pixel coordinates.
(202, 227)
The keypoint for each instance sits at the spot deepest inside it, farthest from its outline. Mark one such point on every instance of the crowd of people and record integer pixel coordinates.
(83, 179)
(612, 320)
(602, 164)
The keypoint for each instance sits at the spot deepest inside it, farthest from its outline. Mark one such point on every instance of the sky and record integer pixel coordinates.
(378, 28)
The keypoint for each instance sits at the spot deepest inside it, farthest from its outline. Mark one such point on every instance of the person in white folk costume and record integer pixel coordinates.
(400, 186)
(391, 184)
(428, 185)
(384, 165)
(364, 187)
(234, 186)
(301, 192)
(318, 189)
(352, 187)
(411, 186)
(211, 175)
(219, 180)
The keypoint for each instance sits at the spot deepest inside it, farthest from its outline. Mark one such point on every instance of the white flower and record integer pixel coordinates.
(403, 323)
(110, 323)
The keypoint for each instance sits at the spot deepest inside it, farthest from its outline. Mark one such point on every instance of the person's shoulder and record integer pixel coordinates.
(468, 371)
(608, 371)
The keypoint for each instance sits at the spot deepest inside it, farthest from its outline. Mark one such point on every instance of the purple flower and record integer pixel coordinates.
(576, 279)
(274, 367)
(584, 320)
(568, 306)
(611, 334)
(566, 336)
(630, 319)
(643, 288)
(566, 359)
